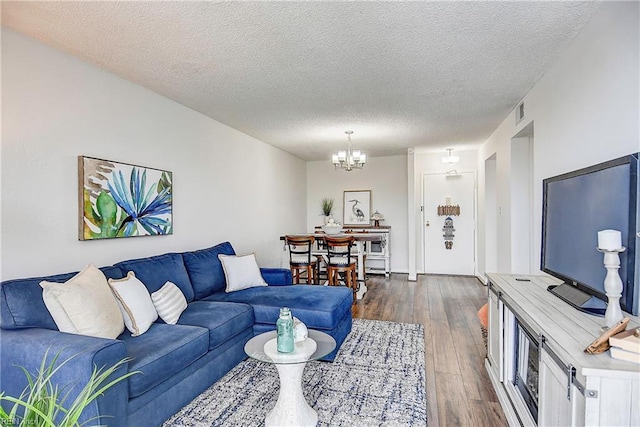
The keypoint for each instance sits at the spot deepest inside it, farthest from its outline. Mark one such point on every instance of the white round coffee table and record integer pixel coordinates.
(291, 408)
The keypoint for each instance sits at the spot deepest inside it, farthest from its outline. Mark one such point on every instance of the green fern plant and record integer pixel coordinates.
(43, 403)
(326, 206)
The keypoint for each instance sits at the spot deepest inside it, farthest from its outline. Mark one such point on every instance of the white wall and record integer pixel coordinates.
(585, 110)
(227, 185)
(488, 254)
(386, 177)
(521, 209)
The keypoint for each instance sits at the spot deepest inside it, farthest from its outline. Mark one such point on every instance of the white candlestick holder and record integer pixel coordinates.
(612, 286)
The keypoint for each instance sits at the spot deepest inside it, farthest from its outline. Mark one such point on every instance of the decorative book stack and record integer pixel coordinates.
(625, 346)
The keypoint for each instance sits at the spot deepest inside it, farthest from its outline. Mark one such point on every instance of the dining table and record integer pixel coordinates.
(360, 239)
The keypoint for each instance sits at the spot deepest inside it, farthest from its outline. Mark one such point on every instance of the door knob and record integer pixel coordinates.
(427, 224)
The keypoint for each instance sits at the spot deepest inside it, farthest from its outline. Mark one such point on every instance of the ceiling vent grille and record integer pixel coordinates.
(519, 112)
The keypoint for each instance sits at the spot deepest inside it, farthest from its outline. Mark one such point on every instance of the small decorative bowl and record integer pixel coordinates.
(332, 229)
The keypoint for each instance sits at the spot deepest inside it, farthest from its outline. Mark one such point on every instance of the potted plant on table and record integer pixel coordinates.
(327, 208)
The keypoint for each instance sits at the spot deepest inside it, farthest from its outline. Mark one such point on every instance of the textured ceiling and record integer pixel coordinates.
(298, 74)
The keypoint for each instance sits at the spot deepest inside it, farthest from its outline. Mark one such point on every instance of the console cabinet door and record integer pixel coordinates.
(554, 409)
(612, 398)
(494, 338)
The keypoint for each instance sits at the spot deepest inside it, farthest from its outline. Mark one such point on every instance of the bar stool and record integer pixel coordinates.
(301, 259)
(320, 252)
(340, 260)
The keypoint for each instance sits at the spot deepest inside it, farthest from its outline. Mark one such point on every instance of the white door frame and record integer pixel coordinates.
(475, 219)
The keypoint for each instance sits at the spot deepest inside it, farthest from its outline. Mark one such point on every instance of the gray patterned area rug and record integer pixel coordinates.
(377, 379)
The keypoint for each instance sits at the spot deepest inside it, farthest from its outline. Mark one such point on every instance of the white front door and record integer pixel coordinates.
(449, 239)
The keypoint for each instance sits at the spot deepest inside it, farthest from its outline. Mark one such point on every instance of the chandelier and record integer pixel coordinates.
(349, 159)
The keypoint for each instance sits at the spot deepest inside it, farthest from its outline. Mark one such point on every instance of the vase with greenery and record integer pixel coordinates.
(45, 403)
(327, 208)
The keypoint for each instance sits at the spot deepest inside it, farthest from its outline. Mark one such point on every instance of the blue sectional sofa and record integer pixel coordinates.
(177, 362)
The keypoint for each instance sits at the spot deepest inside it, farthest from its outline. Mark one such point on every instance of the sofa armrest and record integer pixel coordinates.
(27, 347)
(276, 276)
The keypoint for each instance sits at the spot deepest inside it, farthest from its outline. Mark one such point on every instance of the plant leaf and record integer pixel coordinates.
(44, 403)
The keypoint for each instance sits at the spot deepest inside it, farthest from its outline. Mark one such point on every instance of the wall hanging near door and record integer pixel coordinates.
(123, 200)
(447, 232)
(449, 210)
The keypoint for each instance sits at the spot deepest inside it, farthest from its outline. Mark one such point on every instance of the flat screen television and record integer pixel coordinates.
(577, 205)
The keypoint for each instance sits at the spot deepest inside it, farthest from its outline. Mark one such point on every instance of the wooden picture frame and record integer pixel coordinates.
(123, 200)
(356, 207)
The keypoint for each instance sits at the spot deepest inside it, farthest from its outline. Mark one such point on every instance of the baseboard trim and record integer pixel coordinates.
(379, 272)
(482, 279)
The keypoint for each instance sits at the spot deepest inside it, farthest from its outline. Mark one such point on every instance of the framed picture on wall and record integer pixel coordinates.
(356, 207)
(123, 200)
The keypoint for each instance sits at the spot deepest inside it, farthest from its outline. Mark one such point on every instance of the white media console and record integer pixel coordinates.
(566, 386)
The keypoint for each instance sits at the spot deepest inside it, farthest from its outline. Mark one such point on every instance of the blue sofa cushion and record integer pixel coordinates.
(223, 320)
(276, 276)
(155, 271)
(319, 307)
(161, 352)
(205, 269)
(21, 303)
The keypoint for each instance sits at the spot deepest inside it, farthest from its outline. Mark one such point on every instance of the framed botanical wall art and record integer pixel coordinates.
(123, 200)
(356, 207)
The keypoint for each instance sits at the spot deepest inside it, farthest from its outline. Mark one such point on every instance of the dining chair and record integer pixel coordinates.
(301, 259)
(320, 252)
(340, 260)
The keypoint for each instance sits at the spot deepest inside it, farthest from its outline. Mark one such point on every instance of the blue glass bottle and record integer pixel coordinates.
(284, 327)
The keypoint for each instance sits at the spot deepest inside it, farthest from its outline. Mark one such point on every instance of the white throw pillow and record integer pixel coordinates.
(242, 272)
(135, 303)
(84, 305)
(169, 302)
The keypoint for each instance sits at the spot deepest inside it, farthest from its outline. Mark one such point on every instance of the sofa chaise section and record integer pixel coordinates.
(327, 309)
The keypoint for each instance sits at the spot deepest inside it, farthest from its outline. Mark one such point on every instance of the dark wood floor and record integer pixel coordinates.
(459, 392)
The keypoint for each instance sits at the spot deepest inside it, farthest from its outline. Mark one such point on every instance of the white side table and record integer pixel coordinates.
(291, 408)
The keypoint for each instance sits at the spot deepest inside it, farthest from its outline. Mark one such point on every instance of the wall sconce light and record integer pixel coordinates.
(449, 159)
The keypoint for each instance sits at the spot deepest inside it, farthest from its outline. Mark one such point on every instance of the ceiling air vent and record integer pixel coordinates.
(519, 112)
